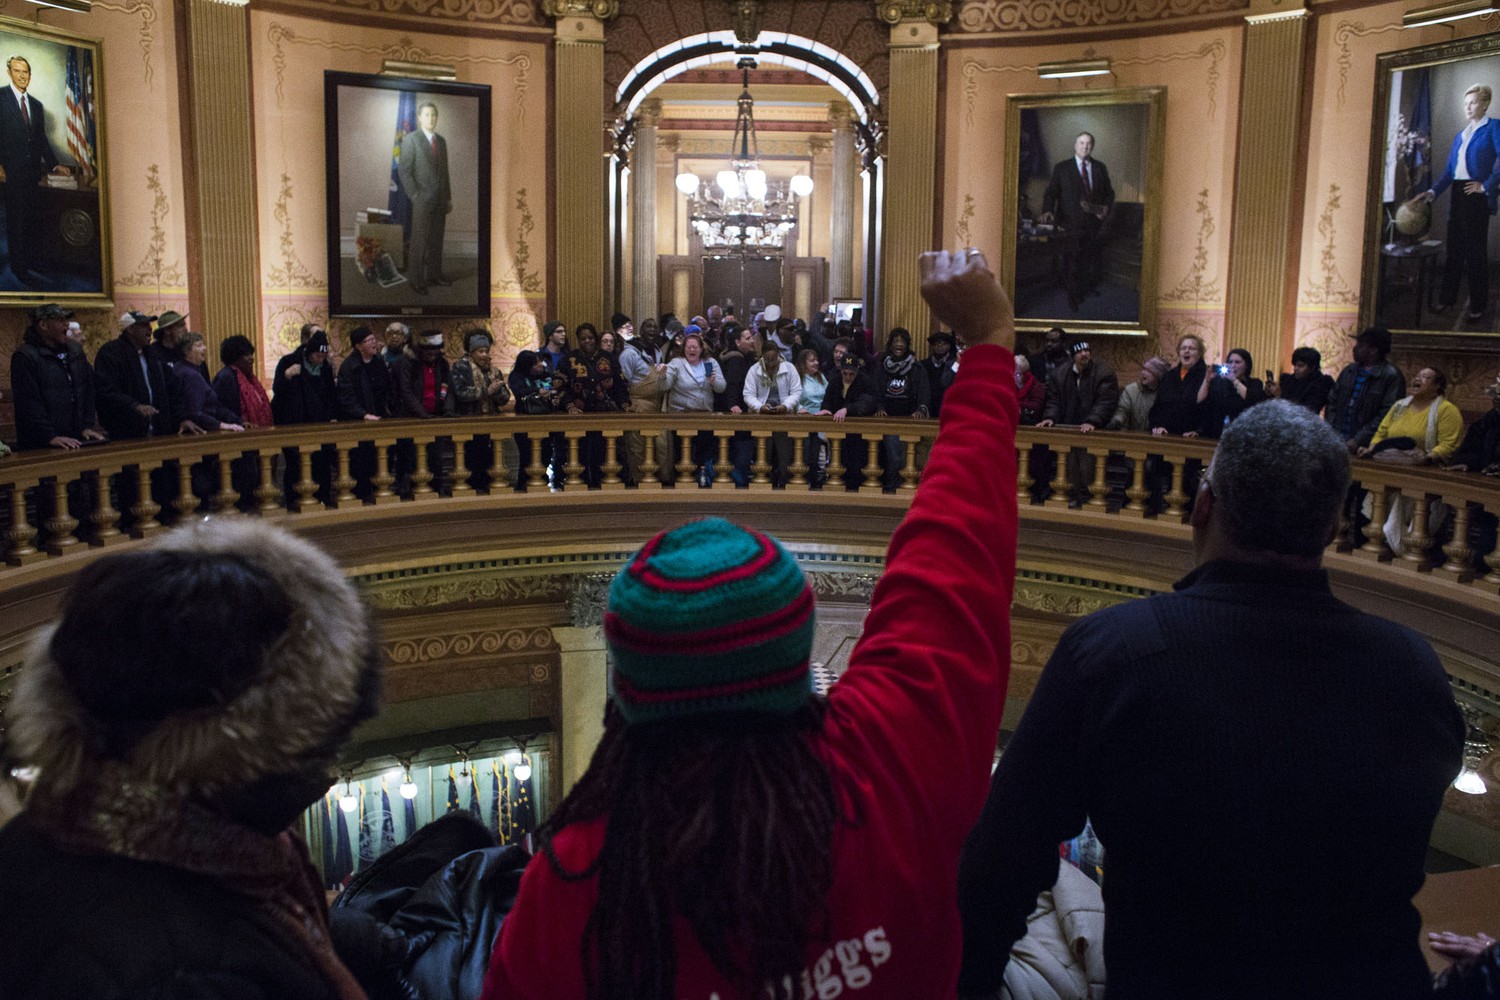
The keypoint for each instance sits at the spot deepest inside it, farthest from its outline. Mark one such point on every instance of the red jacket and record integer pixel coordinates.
(909, 738)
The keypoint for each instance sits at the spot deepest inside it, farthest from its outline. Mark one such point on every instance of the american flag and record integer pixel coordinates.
(81, 132)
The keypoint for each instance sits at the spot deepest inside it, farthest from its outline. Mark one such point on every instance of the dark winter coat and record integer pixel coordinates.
(363, 387)
(199, 402)
(1082, 398)
(303, 398)
(913, 396)
(53, 396)
(121, 384)
(408, 402)
(1383, 386)
(859, 399)
(1176, 407)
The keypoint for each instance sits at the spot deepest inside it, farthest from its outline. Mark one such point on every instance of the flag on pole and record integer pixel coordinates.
(343, 861)
(524, 821)
(399, 203)
(411, 817)
(1421, 128)
(1033, 156)
(474, 809)
(325, 829)
(80, 123)
(495, 799)
(453, 805)
(367, 852)
(387, 820)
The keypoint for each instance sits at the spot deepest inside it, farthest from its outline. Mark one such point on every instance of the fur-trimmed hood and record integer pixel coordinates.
(310, 687)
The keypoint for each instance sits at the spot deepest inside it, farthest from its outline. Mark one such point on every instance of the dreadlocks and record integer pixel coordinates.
(727, 821)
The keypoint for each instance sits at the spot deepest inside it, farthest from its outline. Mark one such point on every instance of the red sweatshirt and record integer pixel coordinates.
(909, 737)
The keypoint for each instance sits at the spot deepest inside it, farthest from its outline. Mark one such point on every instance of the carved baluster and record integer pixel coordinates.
(536, 473)
(145, 509)
(61, 525)
(1058, 487)
(459, 482)
(187, 501)
(343, 482)
(909, 473)
(1024, 482)
(1176, 499)
(836, 470)
(266, 492)
(724, 467)
(1136, 493)
(869, 476)
(307, 486)
(649, 465)
(1099, 489)
(228, 497)
(421, 477)
(105, 518)
(684, 459)
(1375, 547)
(383, 478)
(1460, 556)
(18, 548)
(573, 468)
(499, 474)
(799, 468)
(760, 471)
(1415, 541)
(612, 466)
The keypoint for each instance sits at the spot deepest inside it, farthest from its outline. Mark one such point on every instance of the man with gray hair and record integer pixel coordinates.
(1262, 762)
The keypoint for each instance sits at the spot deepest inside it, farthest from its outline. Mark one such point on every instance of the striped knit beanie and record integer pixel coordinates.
(709, 617)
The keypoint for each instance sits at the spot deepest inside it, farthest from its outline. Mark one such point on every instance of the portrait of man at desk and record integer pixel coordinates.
(50, 188)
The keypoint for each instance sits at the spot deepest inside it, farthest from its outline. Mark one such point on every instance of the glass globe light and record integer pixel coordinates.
(523, 770)
(687, 183)
(729, 183)
(408, 788)
(755, 183)
(802, 185)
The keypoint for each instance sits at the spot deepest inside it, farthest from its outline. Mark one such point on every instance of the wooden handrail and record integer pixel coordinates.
(62, 502)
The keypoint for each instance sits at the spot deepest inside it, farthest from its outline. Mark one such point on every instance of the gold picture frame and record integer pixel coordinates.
(1095, 276)
(56, 228)
(1418, 116)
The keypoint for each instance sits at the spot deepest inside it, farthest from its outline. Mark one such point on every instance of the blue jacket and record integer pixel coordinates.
(1483, 161)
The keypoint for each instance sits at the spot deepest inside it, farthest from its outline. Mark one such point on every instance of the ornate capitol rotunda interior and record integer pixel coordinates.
(233, 162)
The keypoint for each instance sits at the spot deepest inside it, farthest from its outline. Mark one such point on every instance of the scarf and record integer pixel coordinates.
(114, 813)
(255, 406)
(902, 367)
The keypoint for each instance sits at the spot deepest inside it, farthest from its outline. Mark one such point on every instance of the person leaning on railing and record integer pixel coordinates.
(691, 381)
(200, 403)
(53, 386)
(238, 388)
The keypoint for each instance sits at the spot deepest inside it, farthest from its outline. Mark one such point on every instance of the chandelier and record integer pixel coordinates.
(740, 211)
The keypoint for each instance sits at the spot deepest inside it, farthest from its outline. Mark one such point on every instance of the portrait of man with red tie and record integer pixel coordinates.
(1078, 200)
(423, 169)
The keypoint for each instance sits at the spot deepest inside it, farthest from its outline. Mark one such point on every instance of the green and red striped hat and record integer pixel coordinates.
(709, 617)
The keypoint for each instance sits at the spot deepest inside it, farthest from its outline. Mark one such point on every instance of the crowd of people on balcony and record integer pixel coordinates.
(737, 833)
(154, 380)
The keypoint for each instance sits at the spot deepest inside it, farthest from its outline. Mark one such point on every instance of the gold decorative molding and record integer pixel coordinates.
(291, 273)
(601, 10)
(833, 586)
(403, 49)
(937, 12)
(1213, 51)
(1197, 286)
(1343, 33)
(1045, 15)
(972, 69)
(480, 589)
(154, 270)
(500, 13)
(475, 642)
(147, 11)
(965, 216)
(521, 281)
(1332, 290)
(1052, 602)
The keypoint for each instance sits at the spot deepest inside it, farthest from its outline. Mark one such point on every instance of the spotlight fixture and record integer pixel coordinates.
(76, 6)
(408, 787)
(523, 770)
(1440, 13)
(521, 763)
(1073, 67)
(348, 801)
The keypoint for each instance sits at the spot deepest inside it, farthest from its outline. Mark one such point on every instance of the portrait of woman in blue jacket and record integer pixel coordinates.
(1473, 170)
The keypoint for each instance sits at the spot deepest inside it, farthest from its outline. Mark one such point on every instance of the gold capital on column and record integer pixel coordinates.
(931, 11)
(1261, 278)
(220, 151)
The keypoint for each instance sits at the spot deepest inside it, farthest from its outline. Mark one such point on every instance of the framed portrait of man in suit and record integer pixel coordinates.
(1432, 245)
(54, 191)
(408, 165)
(1084, 178)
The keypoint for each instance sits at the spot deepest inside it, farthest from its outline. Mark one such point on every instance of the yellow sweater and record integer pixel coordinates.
(1404, 421)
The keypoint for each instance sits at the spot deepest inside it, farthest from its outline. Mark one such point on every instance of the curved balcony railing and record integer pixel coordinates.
(61, 503)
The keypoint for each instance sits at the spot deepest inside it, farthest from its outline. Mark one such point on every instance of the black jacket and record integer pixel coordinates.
(1087, 398)
(1152, 720)
(121, 385)
(421, 921)
(912, 396)
(1309, 392)
(363, 387)
(1481, 447)
(940, 375)
(78, 927)
(1224, 403)
(408, 401)
(736, 366)
(303, 398)
(53, 396)
(859, 398)
(1383, 386)
(1176, 407)
(227, 387)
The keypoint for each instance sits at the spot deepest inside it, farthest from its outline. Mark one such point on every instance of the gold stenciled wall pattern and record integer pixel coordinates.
(1200, 70)
(291, 179)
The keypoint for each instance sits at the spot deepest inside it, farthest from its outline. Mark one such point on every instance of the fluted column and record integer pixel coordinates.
(220, 151)
(845, 202)
(643, 212)
(584, 692)
(911, 156)
(1261, 278)
(581, 185)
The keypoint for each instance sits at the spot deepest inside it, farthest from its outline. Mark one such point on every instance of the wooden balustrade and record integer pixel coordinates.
(63, 503)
